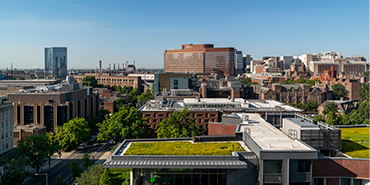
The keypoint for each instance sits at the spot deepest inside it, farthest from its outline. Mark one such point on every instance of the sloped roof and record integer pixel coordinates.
(297, 62)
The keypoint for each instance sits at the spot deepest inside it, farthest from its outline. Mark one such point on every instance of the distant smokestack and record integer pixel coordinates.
(109, 66)
(100, 65)
(114, 66)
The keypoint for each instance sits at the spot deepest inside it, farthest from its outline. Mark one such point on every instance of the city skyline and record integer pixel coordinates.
(116, 32)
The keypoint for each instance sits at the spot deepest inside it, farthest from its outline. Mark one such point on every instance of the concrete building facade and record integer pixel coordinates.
(6, 121)
(51, 106)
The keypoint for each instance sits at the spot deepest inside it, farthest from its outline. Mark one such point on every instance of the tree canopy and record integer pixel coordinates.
(37, 149)
(319, 118)
(124, 124)
(331, 118)
(90, 81)
(301, 81)
(178, 125)
(339, 91)
(364, 91)
(74, 132)
(91, 176)
(311, 106)
(330, 107)
(13, 171)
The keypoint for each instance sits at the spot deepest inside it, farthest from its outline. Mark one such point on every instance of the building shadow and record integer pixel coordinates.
(350, 146)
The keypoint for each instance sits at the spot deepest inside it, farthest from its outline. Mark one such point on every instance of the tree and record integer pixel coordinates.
(91, 176)
(178, 125)
(292, 104)
(37, 149)
(74, 132)
(59, 180)
(364, 92)
(366, 73)
(311, 106)
(330, 107)
(339, 91)
(106, 177)
(319, 118)
(86, 162)
(145, 96)
(76, 170)
(300, 105)
(94, 120)
(339, 120)
(21, 78)
(90, 81)
(13, 171)
(124, 124)
(331, 118)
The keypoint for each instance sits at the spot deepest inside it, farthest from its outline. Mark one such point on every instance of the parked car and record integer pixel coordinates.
(92, 139)
(82, 146)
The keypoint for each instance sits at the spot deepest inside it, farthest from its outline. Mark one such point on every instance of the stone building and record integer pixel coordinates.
(53, 105)
(295, 93)
(114, 79)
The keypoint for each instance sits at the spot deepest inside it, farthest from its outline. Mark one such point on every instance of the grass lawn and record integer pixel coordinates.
(355, 142)
(183, 148)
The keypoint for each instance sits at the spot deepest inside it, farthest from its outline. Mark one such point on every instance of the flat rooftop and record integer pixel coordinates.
(268, 137)
(303, 123)
(184, 148)
(215, 104)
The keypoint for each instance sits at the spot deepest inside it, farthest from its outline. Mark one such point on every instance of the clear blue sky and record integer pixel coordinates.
(120, 31)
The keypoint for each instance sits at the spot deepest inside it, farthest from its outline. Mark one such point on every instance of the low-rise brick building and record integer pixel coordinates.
(295, 93)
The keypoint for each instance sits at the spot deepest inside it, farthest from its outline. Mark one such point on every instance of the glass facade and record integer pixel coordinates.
(56, 62)
(180, 176)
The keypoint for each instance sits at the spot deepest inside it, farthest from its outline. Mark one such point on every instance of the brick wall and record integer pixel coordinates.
(341, 168)
(221, 129)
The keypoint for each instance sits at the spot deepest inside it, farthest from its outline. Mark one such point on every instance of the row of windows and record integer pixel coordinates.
(7, 123)
(10, 145)
(6, 112)
(6, 135)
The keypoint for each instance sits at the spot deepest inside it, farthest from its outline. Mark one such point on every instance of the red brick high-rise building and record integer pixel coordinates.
(200, 58)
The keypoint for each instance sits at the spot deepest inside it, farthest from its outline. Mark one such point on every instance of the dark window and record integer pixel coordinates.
(272, 166)
(300, 165)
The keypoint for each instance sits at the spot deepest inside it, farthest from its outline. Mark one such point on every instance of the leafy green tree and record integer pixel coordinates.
(74, 132)
(145, 96)
(124, 124)
(37, 149)
(120, 102)
(13, 171)
(339, 91)
(363, 109)
(300, 105)
(179, 125)
(319, 118)
(90, 81)
(75, 169)
(366, 73)
(355, 119)
(126, 89)
(91, 176)
(86, 162)
(301, 81)
(311, 106)
(292, 104)
(330, 107)
(21, 78)
(106, 177)
(248, 81)
(339, 120)
(364, 91)
(59, 180)
(94, 120)
(331, 118)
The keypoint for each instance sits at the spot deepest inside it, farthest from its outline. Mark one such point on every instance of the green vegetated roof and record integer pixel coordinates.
(183, 148)
(355, 142)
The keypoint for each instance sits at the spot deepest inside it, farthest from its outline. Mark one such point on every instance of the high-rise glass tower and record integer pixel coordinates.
(56, 62)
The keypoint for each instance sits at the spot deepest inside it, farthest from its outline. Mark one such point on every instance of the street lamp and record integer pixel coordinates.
(43, 174)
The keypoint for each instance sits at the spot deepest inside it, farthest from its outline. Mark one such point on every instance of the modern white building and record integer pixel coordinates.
(6, 121)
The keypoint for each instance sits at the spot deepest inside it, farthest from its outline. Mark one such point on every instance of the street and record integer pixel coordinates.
(96, 150)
